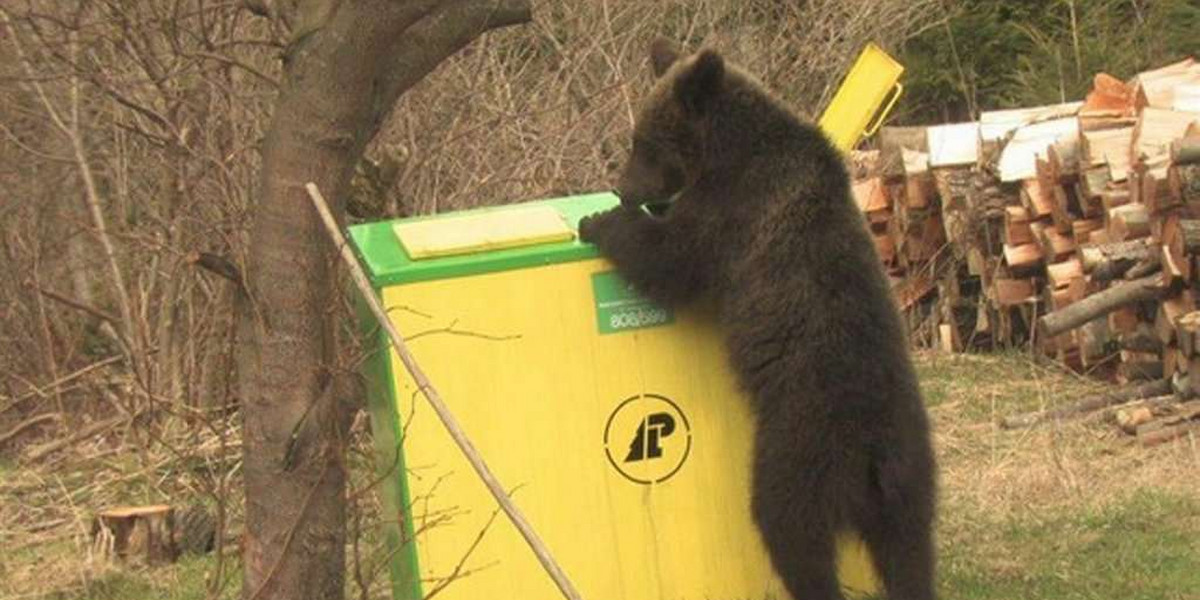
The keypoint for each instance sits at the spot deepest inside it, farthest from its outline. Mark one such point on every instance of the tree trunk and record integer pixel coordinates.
(345, 69)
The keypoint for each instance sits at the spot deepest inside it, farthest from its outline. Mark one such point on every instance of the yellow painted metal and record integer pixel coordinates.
(867, 86)
(474, 232)
(555, 406)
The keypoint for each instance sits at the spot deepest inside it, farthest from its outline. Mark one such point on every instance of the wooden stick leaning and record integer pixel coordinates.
(435, 400)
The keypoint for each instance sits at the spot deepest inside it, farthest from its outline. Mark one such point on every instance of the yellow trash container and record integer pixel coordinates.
(615, 422)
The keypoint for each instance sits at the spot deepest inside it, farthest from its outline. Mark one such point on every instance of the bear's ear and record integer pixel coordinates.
(663, 54)
(700, 83)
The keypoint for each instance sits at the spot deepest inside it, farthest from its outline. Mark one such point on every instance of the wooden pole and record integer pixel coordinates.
(435, 400)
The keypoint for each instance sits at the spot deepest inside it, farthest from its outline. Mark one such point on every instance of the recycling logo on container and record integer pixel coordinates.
(647, 438)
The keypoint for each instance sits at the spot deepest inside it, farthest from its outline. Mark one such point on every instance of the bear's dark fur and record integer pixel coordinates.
(762, 219)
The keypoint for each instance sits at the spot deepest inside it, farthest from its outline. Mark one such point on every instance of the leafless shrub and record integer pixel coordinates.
(547, 110)
(129, 134)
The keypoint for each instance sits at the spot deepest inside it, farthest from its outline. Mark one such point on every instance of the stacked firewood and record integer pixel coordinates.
(1073, 227)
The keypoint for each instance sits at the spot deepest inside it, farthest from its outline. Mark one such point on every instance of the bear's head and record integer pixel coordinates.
(669, 132)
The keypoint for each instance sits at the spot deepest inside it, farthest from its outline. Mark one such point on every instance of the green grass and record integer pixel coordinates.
(1143, 548)
(1066, 511)
(186, 580)
(56, 572)
(984, 387)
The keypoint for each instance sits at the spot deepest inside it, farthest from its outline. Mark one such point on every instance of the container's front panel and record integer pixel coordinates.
(617, 429)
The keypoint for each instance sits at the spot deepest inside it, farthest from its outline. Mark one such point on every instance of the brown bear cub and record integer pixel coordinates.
(761, 218)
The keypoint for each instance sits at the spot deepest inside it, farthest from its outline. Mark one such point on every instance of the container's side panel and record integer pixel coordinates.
(500, 349)
(389, 459)
(575, 420)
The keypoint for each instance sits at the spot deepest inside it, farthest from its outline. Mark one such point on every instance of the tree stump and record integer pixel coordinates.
(136, 533)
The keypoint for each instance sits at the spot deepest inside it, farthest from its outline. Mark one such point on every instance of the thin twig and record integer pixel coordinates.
(26, 424)
(43, 391)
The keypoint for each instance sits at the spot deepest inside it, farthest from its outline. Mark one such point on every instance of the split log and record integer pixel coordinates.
(1098, 304)
(1092, 184)
(886, 246)
(893, 142)
(1080, 228)
(1012, 292)
(1189, 236)
(1139, 366)
(1129, 415)
(1186, 329)
(1170, 310)
(1159, 436)
(1060, 211)
(1123, 320)
(1185, 418)
(1174, 363)
(1023, 257)
(918, 190)
(1191, 387)
(1110, 261)
(1128, 222)
(1062, 157)
(1056, 246)
(136, 533)
(954, 188)
(1109, 147)
(1141, 339)
(1016, 226)
(1155, 191)
(1183, 182)
(1089, 404)
(1094, 342)
(1036, 198)
(1060, 275)
(1177, 261)
(948, 336)
(1144, 268)
(1114, 197)
(1128, 419)
(1173, 272)
(1185, 151)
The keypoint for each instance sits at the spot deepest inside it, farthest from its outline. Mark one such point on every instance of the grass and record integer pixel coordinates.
(1066, 511)
(1142, 548)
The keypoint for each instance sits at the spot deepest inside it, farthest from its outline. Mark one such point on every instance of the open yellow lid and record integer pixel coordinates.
(485, 231)
(874, 77)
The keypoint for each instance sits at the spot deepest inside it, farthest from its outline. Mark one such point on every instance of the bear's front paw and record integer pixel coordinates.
(592, 226)
(587, 228)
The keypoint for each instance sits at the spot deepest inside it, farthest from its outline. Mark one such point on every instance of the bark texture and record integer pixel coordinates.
(344, 71)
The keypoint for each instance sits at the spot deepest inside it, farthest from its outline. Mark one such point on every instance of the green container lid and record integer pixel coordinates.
(387, 262)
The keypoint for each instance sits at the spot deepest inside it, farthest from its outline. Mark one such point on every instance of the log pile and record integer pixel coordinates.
(1150, 412)
(1073, 227)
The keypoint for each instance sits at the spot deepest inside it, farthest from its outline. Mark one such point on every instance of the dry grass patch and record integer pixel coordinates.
(1064, 510)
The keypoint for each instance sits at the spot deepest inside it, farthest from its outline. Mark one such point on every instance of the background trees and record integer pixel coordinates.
(151, 153)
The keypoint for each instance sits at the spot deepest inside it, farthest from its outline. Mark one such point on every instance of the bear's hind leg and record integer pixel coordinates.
(801, 546)
(899, 536)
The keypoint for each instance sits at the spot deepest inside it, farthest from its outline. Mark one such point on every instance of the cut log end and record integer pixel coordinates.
(136, 533)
